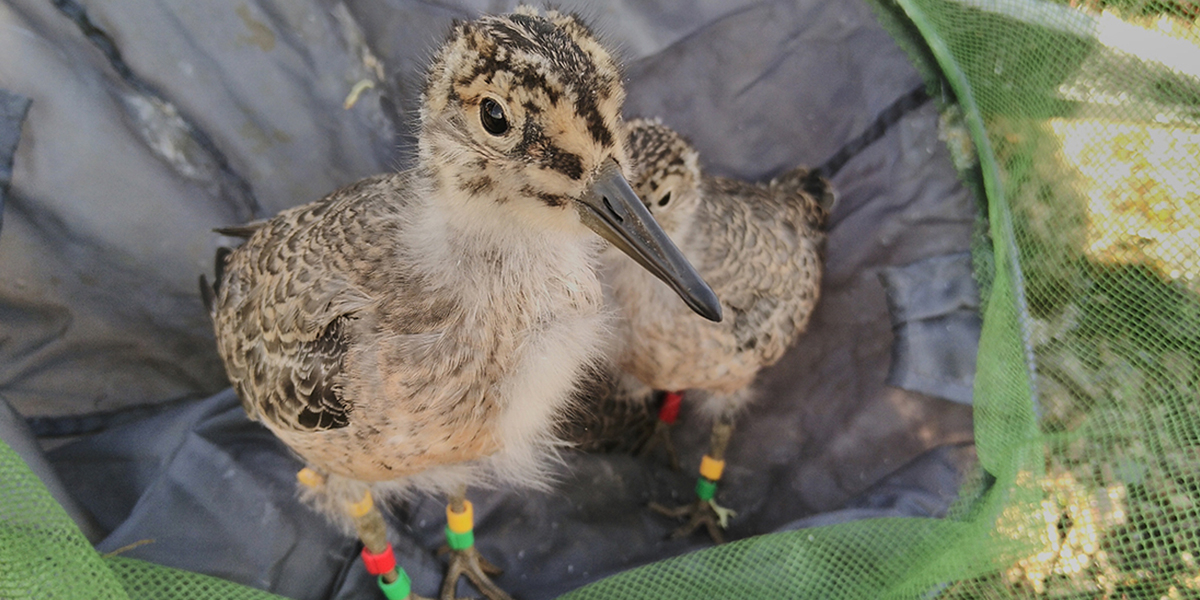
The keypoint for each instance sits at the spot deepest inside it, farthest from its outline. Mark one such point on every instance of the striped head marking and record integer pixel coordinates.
(666, 168)
(521, 106)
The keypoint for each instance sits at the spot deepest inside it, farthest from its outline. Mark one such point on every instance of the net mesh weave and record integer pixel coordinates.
(43, 555)
(1080, 124)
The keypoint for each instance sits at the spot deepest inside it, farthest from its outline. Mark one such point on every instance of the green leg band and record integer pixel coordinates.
(460, 541)
(398, 589)
(705, 489)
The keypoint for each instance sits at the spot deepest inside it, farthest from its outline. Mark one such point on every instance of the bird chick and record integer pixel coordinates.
(423, 330)
(760, 247)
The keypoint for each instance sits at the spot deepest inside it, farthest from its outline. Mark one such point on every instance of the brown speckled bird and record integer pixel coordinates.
(423, 330)
(760, 246)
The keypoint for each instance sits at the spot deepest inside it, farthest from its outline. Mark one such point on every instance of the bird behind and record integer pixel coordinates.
(760, 246)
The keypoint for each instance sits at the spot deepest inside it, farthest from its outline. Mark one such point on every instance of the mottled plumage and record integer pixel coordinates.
(426, 329)
(759, 246)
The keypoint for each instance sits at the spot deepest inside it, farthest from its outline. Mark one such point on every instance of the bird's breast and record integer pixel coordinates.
(489, 378)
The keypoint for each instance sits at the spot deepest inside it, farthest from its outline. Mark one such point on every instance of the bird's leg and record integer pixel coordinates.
(712, 466)
(705, 511)
(464, 557)
(377, 554)
(667, 414)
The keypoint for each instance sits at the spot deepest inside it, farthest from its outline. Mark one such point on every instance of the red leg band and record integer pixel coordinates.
(378, 564)
(670, 408)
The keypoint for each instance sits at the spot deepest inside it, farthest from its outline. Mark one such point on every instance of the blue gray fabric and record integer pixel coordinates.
(200, 487)
(12, 115)
(934, 305)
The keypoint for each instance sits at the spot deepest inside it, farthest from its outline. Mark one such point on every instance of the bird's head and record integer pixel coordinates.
(666, 171)
(521, 126)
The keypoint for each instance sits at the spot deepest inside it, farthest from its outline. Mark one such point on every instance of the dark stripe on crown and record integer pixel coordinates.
(585, 105)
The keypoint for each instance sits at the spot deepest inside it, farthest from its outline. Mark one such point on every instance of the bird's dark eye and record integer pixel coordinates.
(491, 114)
(665, 199)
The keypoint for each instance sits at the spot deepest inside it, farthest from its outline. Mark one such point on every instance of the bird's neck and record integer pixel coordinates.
(488, 254)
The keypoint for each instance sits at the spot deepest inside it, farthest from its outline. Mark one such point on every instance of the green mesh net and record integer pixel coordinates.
(1080, 126)
(43, 555)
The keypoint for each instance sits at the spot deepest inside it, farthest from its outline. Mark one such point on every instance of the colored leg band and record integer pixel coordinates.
(705, 489)
(398, 589)
(461, 522)
(310, 478)
(362, 507)
(378, 564)
(459, 541)
(670, 408)
(711, 468)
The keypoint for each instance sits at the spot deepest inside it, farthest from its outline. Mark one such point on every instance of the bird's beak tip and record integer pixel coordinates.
(613, 210)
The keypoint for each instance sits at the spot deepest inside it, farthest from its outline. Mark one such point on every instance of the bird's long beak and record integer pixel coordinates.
(611, 209)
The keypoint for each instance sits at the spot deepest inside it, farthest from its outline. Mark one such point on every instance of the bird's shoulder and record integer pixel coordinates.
(299, 294)
(308, 255)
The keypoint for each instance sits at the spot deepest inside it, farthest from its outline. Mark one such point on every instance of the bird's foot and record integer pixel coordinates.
(470, 564)
(661, 437)
(723, 514)
(708, 513)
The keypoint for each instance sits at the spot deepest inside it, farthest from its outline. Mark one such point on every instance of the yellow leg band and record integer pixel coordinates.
(362, 507)
(461, 522)
(310, 478)
(711, 468)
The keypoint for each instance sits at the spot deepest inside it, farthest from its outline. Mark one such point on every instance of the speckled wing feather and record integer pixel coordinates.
(766, 265)
(802, 181)
(292, 308)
